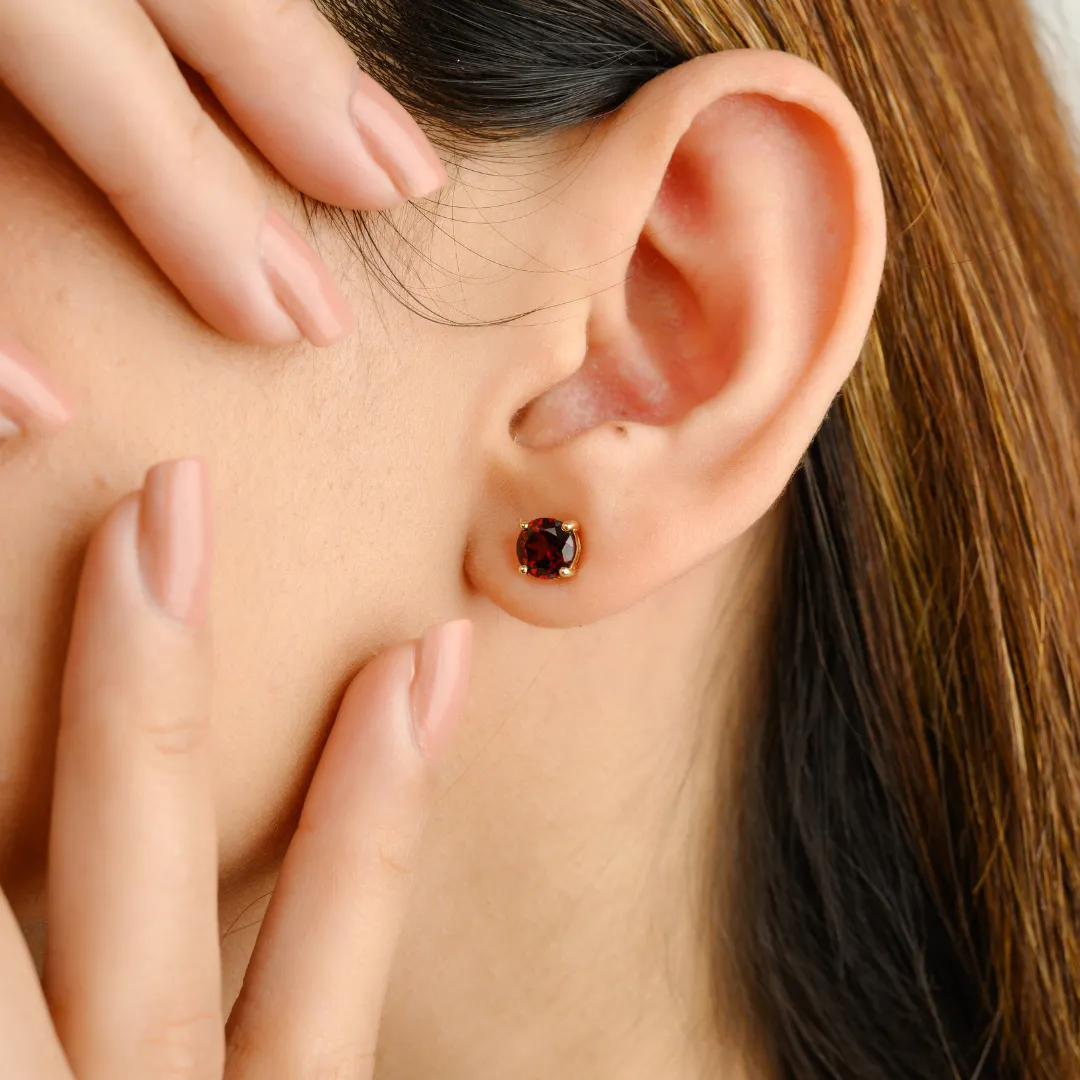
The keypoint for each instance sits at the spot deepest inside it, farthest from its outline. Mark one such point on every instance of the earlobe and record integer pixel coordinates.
(719, 337)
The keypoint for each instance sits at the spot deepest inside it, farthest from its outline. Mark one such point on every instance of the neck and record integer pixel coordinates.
(559, 921)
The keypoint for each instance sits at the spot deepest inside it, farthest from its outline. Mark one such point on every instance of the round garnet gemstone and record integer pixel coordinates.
(544, 547)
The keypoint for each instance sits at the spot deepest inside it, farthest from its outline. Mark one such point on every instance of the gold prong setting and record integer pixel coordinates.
(548, 548)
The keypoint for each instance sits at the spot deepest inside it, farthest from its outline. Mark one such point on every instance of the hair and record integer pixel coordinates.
(911, 785)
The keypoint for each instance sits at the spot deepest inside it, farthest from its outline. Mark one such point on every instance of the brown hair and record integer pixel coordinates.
(912, 787)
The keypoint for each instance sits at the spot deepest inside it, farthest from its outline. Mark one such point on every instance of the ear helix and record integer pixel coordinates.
(548, 548)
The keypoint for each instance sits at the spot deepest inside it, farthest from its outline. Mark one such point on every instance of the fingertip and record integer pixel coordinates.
(395, 140)
(153, 549)
(111, 551)
(29, 394)
(441, 682)
(381, 686)
(303, 284)
(174, 540)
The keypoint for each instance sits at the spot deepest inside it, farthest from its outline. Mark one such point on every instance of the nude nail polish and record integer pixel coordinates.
(174, 538)
(29, 396)
(394, 139)
(302, 284)
(440, 684)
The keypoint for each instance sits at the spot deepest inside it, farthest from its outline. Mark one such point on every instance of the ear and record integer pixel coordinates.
(735, 207)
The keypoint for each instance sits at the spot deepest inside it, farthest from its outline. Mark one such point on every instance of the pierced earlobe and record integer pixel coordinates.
(548, 548)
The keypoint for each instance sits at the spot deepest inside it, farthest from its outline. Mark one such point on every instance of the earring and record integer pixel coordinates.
(549, 548)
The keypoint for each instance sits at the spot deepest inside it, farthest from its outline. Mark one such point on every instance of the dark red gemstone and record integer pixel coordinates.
(544, 547)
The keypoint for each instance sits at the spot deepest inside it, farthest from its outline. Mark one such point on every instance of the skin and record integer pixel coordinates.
(292, 86)
(132, 979)
(707, 263)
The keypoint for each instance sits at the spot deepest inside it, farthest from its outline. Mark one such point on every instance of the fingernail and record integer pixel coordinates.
(28, 395)
(174, 538)
(440, 683)
(395, 140)
(302, 284)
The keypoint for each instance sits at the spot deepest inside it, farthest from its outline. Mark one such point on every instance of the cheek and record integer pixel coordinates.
(328, 470)
(323, 484)
(314, 571)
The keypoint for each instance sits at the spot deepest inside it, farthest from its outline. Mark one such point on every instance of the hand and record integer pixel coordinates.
(132, 965)
(99, 76)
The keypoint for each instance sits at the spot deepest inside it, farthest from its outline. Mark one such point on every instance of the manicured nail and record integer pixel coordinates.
(440, 683)
(29, 397)
(395, 140)
(302, 284)
(174, 538)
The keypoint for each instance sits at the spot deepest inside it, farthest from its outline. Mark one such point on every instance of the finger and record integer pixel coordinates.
(289, 80)
(26, 1031)
(182, 187)
(314, 990)
(29, 396)
(132, 969)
